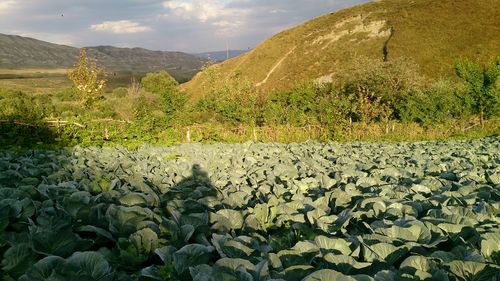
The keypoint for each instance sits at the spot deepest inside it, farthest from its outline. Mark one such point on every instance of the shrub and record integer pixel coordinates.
(231, 98)
(482, 87)
(296, 107)
(161, 83)
(438, 103)
(120, 92)
(22, 120)
(334, 109)
(377, 86)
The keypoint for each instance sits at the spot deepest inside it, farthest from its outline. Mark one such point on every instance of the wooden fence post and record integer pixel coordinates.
(188, 135)
(106, 134)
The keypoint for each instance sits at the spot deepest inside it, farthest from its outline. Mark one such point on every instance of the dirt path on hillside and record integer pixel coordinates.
(275, 67)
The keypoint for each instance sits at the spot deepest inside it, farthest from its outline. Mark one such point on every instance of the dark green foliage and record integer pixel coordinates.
(164, 85)
(254, 212)
(334, 109)
(482, 85)
(373, 93)
(297, 107)
(377, 87)
(21, 119)
(378, 91)
(310, 104)
(438, 104)
(230, 99)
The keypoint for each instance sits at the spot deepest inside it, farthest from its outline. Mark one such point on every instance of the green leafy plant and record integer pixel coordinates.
(231, 98)
(164, 85)
(319, 211)
(482, 86)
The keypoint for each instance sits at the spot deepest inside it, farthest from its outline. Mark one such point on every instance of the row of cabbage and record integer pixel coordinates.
(253, 212)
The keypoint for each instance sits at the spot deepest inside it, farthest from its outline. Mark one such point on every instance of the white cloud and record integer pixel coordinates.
(226, 24)
(196, 9)
(121, 26)
(224, 19)
(5, 5)
(227, 28)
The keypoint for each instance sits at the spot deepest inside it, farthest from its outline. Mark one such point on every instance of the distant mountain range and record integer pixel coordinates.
(221, 55)
(23, 52)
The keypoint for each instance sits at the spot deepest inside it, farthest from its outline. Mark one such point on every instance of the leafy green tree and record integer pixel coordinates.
(163, 84)
(378, 87)
(482, 85)
(87, 79)
(334, 109)
(159, 82)
(439, 102)
(295, 107)
(230, 98)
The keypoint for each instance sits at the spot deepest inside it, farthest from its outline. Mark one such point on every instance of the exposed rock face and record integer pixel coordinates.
(353, 26)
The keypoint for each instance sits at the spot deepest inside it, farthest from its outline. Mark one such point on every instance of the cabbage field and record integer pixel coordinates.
(308, 211)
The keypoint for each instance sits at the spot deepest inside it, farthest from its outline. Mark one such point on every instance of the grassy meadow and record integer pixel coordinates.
(43, 80)
(34, 80)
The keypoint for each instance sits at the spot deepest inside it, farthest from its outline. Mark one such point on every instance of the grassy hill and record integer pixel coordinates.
(433, 33)
(17, 52)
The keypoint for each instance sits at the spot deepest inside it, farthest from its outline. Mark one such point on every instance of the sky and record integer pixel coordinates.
(168, 25)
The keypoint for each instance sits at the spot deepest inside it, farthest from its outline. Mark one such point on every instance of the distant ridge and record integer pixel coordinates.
(435, 34)
(219, 56)
(23, 52)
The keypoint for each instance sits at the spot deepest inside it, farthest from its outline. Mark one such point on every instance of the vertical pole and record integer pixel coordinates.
(350, 126)
(106, 134)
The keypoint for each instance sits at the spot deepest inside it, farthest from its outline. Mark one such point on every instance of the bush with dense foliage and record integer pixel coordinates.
(230, 99)
(164, 85)
(483, 88)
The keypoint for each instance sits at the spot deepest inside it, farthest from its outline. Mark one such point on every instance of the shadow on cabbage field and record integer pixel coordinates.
(88, 227)
(21, 135)
(112, 215)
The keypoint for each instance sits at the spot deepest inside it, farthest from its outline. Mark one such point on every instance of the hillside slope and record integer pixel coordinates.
(23, 52)
(434, 33)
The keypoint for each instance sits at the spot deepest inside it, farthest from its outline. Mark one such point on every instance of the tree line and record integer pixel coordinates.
(367, 92)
